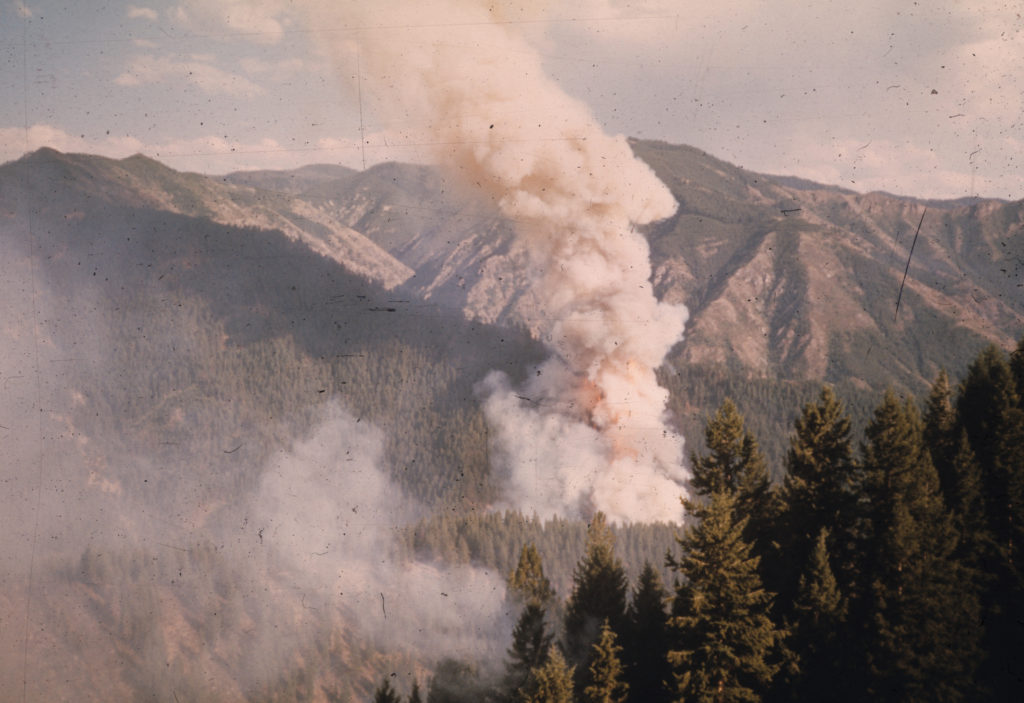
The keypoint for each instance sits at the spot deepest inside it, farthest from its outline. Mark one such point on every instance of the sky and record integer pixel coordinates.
(914, 98)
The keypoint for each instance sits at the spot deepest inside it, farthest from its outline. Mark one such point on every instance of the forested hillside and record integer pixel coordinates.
(886, 566)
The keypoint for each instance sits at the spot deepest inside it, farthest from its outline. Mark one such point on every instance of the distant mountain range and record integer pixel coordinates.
(783, 277)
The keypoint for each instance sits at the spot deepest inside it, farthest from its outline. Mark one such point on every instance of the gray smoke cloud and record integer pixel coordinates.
(326, 507)
(590, 432)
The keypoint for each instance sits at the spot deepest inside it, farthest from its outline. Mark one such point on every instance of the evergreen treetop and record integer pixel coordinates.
(604, 681)
(386, 694)
(725, 640)
(528, 582)
(920, 609)
(414, 695)
(599, 592)
(645, 640)
(553, 680)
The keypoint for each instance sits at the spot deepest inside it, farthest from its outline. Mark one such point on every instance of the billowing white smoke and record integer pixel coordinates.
(326, 507)
(590, 431)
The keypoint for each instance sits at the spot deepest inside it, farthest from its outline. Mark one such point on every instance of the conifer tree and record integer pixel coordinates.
(604, 682)
(819, 491)
(941, 431)
(528, 582)
(531, 643)
(456, 681)
(553, 682)
(386, 694)
(414, 695)
(1017, 368)
(990, 411)
(725, 641)
(977, 550)
(599, 592)
(734, 464)
(919, 610)
(819, 612)
(645, 641)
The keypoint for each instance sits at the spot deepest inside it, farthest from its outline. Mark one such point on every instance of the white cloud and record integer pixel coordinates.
(210, 79)
(17, 141)
(273, 70)
(256, 20)
(216, 154)
(142, 13)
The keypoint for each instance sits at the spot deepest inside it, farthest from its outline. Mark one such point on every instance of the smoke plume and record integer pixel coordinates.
(589, 431)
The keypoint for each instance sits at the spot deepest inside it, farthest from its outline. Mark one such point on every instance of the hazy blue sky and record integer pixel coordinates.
(915, 98)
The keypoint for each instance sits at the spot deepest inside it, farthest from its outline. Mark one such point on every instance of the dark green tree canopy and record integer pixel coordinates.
(645, 640)
(531, 643)
(386, 694)
(599, 592)
(726, 643)
(921, 611)
(414, 695)
(733, 462)
(819, 491)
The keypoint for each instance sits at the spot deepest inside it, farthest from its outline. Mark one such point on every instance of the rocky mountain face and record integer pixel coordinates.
(783, 278)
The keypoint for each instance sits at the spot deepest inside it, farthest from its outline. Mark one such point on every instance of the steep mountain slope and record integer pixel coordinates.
(802, 282)
(784, 278)
(788, 281)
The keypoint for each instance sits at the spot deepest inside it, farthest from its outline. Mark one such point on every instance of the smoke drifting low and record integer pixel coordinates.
(589, 432)
(329, 511)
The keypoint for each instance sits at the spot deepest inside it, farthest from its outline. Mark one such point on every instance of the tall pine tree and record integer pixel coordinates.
(645, 641)
(941, 432)
(598, 594)
(725, 642)
(531, 639)
(819, 491)
(990, 411)
(531, 643)
(818, 620)
(734, 464)
(920, 612)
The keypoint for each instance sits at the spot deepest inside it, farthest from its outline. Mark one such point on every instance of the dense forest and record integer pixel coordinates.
(881, 567)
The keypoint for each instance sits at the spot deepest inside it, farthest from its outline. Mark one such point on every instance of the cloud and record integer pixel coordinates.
(273, 70)
(141, 13)
(208, 78)
(216, 154)
(17, 141)
(256, 20)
